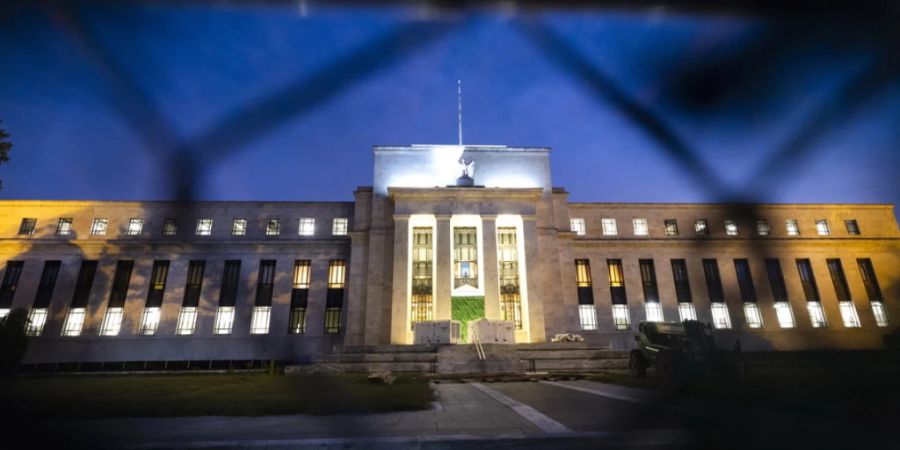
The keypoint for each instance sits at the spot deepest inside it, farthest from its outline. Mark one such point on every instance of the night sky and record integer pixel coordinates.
(284, 103)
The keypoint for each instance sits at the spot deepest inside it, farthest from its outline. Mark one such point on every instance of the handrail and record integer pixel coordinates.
(479, 349)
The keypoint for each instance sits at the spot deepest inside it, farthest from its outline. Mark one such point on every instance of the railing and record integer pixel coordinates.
(479, 349)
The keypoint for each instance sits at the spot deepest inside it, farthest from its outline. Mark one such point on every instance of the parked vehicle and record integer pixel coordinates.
(680, 352)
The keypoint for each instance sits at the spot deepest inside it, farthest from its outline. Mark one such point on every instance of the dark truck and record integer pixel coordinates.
(682, 351)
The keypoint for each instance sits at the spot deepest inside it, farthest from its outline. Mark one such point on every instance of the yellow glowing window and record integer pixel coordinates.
(336, 271)
(582, 273)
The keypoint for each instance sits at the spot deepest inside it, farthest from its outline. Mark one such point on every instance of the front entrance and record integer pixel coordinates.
(465, 309)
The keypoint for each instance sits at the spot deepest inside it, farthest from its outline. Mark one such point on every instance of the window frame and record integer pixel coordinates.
(306, 226)
(64, 226)
(135, 226)
(609, 227)
(99, 226)
(239, 226)
(27, 226)
(204, 227)
(340, 226)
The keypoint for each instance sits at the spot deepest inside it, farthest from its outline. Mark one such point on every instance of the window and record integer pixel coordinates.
(150, 318)
(36, 321)
(784, 314)
(508, 271)
(187, 321)
(587, 316)
(731, 228)
(46, 285)
(74, 322)
(852, 227)
(640, 227)
(297, 324)
(259, 321)
(822, 227)
(239, 227)
(654, 312)
(748, 293)
(651, 291)
(842, 291)
(762, 228)
(83, 285)
(98, 227)
(586, 312)
(112, 322)
(339, 226)
(753, 316)
(422, 271)
(307, 226)
(577, 226)
(792, 228)
(686, 311)
(299, 297)
(170, 227)
(273, 227)
(880, 314)
(224, 320)
(682, 283)
(609, 227)
(10, 282)
(64, 227)
(26, 228)
(713, 280)
(816, 314)
(671, 227)
(720, 317)
(808, 280)
(230, 281)
(616, 281)
(134, 227)
(621, 320)
(204, 227)
(149, 321)
(334, 299)
(701, 228)
(873, 290)
(465, 257)
(848, 314)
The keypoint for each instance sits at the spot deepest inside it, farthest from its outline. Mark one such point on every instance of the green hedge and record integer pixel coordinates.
(465, 309)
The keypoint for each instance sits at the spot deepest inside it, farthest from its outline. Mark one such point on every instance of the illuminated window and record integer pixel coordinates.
(26, 228)
(339, 226)
(671, 227)
(299, 297)
(36, 321)
(822, 227)
(880, 314)
(239, 227)
(465, 257)
(135, 226)
(10, 282)
(307, 226)
(170, 227)
(334, 299)
(654, 312)
(609, 227)
(686, 311)
(149, 321)
(4, 312)
(792, 228)
(731, 228)
(508, 262)
(640, 227)
(651, 290)
(816, 314)
(301, 274)
(587, 315)
(852, 227)
(720, 317)
(259, 322)
(621, 320)
(700, 227)
(273, 227)
(224, 320)
(98, 227)
(187, 321)
(752, 314)
(616, 281)
(421, 300)
(785, 314)
(74, 322)
(112, 322)
(848, 314)
(64, 227)
(297, 324)
(204, 227)
(44, 292)
(762, 228)
(577, 226)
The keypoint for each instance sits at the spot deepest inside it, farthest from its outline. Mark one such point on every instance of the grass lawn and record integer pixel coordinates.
(209, 394)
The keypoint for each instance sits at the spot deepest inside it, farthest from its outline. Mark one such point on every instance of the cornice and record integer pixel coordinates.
(528, 194)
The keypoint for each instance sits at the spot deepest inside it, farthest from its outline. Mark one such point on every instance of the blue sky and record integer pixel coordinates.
(77, 136)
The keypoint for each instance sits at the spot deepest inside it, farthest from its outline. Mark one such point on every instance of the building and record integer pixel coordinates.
(444, 232)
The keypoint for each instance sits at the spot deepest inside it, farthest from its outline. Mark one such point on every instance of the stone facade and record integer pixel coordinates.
(414, 190)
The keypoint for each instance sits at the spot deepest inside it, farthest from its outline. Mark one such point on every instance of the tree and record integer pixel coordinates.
(5, 147)
(13, 341)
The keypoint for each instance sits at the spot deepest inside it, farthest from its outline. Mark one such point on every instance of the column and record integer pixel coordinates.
(443, 261)
(535, 304)
(400, 333)
(490, 284)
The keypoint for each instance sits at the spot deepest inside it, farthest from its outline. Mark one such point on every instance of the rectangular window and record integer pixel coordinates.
(307, 226)
(701, 228)
(873, 290)
(465, 258)
(822, 227)
(713, 281)
(587, 316)
(112, 322)
(187, 321)
(745, 280)
(265, 283)
(792, 228)
(297, 324)
(721, 319)
(135, 226)
(230, 282)
(299, 297)
(193, 285)
(776, 280)
(640, 227)
(577, 226)
(654, 312)
(150, 321)
(848, 314)
(339, 226)
(98, 227)
(682, 282)
(583, 283)
(421, 305)
(731, 228)
(816, 315)
(621, 320)
(37, 318)
(74, 322)
(204, 227)
(334, 300)
(273, 227)
(239, 227)
(852, 227)
(880, 314)
(753, 316)
(302, 271)
(671, 227)
(157, 289)
(64, 227)
(10, 282)
(785, 314)
(26, 228)
(616, 282)
(686, 311)
(224, 320)
(121, 280)
(508, 262)
(648, 280)
(808, 280)
(609, 227)
(83, 284)
(259, 321)
(838, 279)
(762, 228)
(170, 227)
(47, 284)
